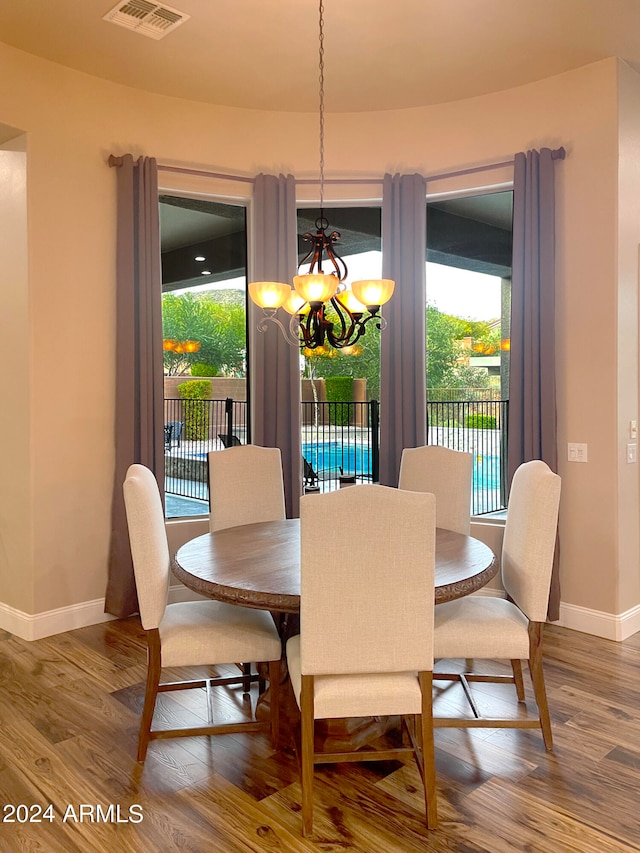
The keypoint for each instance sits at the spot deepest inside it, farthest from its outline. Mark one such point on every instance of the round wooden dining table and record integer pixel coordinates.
(258, 565)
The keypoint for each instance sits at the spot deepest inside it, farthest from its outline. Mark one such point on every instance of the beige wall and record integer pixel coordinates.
(628, 576)
(73, 122)
(16, 541)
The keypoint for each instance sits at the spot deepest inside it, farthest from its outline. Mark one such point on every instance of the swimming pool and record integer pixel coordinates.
(331, 456)
(486, 472)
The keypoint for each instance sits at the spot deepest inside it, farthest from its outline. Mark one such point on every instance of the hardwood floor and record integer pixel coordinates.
(69, 712)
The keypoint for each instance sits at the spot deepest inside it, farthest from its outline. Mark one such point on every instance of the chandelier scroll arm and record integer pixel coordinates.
(269, 316)
(343, 337)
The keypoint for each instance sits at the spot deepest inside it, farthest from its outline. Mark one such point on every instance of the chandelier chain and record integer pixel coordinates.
(350, 310)
(321, 101)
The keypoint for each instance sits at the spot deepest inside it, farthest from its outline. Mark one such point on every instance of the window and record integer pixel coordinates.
(360, 247)
(341, 387)
(204, 283)
(468, 275)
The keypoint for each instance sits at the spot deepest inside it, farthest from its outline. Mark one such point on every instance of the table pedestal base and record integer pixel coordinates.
(348, 734)
(333, 735)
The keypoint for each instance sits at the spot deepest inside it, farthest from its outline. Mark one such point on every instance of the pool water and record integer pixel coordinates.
(331, 456)
(486, 472)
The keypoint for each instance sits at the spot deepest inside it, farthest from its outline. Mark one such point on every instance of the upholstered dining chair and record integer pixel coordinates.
(191, 633)
(512, 628)
(245, 486)
(364, 647)
(445, 473)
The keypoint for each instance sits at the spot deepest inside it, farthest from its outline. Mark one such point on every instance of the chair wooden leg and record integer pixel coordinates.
(516, 666)
(537, 677)
(274, 711)
(246, 683)
(306, 753)
(428, 750)
(154, 668)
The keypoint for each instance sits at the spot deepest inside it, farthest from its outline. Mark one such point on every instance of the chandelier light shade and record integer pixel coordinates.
(295, 304)
(269, 294)
(347, 298)
(373, 292)
(324, 312)
(316, 288)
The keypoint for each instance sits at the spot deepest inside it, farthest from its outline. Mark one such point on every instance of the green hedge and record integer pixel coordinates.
(196, 412)
(200, 368)
(339, 389)
(480, 421)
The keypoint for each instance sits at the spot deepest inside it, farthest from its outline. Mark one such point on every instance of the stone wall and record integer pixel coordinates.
(308, 385)
(221, 387)
(236, 388)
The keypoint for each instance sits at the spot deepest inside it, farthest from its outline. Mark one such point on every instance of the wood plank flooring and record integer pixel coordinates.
(69, 712)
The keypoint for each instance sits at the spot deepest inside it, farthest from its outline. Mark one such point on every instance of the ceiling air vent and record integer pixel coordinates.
(149, 19)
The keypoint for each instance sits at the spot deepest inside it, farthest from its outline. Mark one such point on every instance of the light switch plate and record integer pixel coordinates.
(632, 452)
(577, 452)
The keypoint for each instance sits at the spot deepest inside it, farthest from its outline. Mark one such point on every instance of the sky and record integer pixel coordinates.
(462, 293)
(466, 294)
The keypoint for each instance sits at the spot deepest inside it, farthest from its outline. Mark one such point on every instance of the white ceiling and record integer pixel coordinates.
(379, 54)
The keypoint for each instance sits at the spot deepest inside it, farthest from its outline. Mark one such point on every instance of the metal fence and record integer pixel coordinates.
(340, 444)
(191, 429)
(480, 427)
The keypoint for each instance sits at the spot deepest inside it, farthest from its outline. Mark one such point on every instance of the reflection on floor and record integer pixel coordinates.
(70, 709)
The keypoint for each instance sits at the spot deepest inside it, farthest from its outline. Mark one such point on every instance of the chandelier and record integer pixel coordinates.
(323, 285)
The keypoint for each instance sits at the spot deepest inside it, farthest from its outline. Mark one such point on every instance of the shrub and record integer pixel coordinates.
(480, 421)
(200, 368)
(196, 413)
(339, 389)
(441, 418)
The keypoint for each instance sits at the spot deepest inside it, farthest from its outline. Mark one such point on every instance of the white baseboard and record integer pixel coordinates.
(489, 592)
(37, 626)
(606, 625)
(178, 592)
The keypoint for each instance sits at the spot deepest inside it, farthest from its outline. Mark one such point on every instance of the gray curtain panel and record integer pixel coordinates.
(275, 363)
(138, 347)
(532, 382)
(403, 396)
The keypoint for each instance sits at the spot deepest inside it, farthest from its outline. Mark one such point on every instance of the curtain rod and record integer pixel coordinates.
(556, 154)
(205, 173)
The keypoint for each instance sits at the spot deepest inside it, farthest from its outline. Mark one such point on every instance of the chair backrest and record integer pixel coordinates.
(530, 537)
(367, 581)
(245, 486)
(148, 540)
(445, 473)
